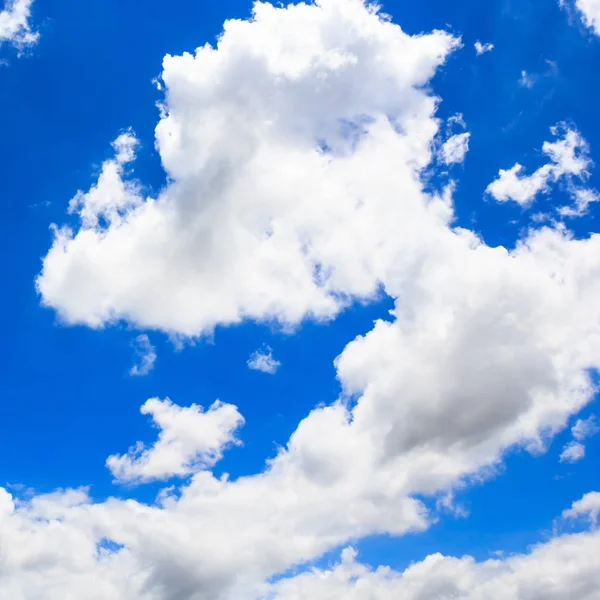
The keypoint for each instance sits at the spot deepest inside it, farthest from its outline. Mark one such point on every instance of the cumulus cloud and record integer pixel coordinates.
(295, 152)
(145, 354)
(455, 148)
(483, 48)
(190, 439)
(15, 27)
(270, 213)
(262, 360)
(572, 452)
(568, 160)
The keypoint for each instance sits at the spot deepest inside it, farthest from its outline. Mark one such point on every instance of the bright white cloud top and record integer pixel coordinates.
(294, 152)
(15, 26)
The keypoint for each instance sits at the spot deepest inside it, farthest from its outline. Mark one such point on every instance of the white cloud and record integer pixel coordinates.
(145, 356)
(455, 148)
(483, 48)
(569, 160)
(262, 360)
(590, 13)
(14, 23)
(588, 506)
(583, 429)
(190, 440)
(572, 452)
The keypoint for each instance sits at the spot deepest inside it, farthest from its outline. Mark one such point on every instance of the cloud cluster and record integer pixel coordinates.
(583, 429)
(295, 152)
(568, 161)
(15, 27)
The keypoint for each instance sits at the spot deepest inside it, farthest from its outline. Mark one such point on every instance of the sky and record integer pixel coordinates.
(302, 300)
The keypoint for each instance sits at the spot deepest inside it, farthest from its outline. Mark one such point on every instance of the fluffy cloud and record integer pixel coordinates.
(569, 161)
(263, 360)
(14, 23)
(273, 143)
(190, 440)
(483, 48)
(145, 354)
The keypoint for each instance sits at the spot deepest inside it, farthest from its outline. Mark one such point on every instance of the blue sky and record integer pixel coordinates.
(234, 229)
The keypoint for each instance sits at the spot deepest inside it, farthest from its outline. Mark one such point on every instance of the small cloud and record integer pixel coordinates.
(572, 452)
(262, 360)
(145, 355)
(583, 429)
(483, 48)
(527, 80)
(455, 148)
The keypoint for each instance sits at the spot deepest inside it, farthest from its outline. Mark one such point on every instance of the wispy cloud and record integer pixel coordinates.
(145, 356)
